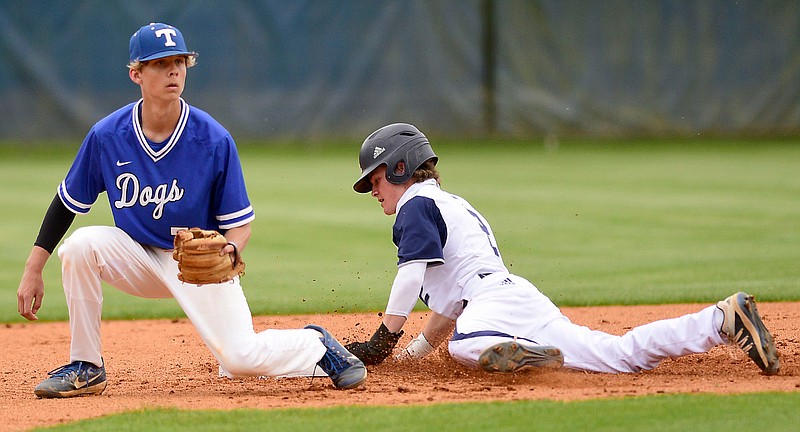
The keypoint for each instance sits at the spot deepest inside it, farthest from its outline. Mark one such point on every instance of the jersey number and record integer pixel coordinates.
(486, 230)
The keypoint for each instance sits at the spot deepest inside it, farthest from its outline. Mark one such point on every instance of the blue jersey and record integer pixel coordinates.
(193, 179)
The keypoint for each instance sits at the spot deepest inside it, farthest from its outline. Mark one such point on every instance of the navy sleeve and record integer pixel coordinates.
(420, 232)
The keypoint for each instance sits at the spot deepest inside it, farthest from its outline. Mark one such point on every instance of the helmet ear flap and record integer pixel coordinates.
(399, 170)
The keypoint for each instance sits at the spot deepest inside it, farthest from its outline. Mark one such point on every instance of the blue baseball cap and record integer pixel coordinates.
(157, 40)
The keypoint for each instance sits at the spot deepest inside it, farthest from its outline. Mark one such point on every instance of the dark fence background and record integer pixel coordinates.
(304, 69)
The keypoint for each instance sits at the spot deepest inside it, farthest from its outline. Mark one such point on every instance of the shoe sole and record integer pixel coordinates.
(344, 381)
(763, 351)
(84, 391)
(509, 357)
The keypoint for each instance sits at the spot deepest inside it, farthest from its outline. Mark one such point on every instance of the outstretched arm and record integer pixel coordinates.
(403, 297)
(437, 330)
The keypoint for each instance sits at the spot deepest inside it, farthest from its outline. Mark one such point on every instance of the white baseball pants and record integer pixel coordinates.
(219, 312)
(512, 306)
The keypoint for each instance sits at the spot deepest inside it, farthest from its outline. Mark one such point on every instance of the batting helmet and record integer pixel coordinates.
(390, 145)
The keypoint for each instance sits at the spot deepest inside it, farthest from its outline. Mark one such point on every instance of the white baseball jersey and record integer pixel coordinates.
(445, 231)
(193, 179)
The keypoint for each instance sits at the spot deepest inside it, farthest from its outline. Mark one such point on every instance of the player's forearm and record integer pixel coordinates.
(394, 322)
(56, 222)
(239, 236)
(404, 293)
(37, 260)
(438, 329)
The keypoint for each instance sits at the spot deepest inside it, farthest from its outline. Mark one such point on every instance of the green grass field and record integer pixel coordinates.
(771, 412)
(591, 223)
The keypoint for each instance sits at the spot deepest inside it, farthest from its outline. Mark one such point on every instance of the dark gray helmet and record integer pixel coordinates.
(390, 145)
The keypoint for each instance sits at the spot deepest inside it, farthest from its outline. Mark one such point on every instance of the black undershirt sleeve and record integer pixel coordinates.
(56, 222)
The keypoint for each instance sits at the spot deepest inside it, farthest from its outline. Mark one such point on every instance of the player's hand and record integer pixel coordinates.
(202, 257)
(377, 348)
(418, 348)
(31, 287)
(30, 294)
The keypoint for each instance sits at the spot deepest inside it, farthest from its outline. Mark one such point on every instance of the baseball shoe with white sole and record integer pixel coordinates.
(345, 369)
(75, 379)
(513, 356)
(743, 327)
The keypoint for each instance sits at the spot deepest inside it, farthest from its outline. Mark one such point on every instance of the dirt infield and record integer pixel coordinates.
(163, 363)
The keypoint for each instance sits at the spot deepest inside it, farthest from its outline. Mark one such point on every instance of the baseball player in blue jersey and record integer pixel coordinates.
(166, 166)
(449, 258)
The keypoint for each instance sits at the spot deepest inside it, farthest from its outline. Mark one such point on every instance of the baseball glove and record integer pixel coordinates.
(377, 348)
(199, 261)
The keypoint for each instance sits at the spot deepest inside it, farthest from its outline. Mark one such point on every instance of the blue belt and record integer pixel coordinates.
(460, 336)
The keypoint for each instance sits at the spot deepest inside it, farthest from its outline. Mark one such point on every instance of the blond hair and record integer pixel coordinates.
(191, 60)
